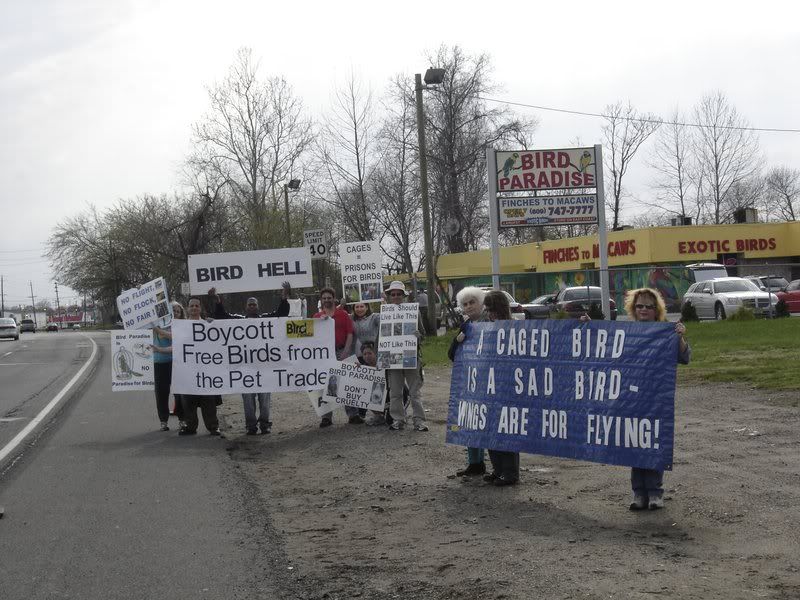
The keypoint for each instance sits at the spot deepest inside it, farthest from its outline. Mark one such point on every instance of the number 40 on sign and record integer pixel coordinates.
(314, 240)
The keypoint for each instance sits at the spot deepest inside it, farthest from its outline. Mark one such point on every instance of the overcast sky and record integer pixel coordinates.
(97, 97)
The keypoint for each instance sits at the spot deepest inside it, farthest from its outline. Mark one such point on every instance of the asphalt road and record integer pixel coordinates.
(99, 504)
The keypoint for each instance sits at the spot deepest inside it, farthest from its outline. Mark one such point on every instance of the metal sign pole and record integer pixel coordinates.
(494, 219)
(602, 234)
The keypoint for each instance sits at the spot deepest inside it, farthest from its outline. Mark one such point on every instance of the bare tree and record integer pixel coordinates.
(348, 155)
(624, 133)
(727, 152)
(782, 198)
(252, 138)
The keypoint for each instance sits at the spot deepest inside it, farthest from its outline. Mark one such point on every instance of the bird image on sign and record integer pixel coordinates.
(585, 161)
(508, 166)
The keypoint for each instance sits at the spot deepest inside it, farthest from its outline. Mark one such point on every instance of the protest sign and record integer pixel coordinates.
(251, 355)
(601, 391)
(353, 384)
(361, 271)
(397, 340)
(316, 242)
(131, 361)
(250, 271)
(145, 306)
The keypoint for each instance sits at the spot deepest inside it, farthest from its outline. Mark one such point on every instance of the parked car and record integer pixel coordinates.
(76, 327)
(52, 327)
(705, 271)
(718, 298)
(575, 301)
(539, 308)
(517, 312)
(791, 295)
(27, 325)
(768, 283)
(9, 328)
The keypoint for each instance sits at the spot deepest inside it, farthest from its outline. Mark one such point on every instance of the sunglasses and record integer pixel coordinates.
(645, 306)
(396, 294)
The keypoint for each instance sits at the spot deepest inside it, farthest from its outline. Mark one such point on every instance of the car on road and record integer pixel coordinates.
(9, 328)
(721, 297)
(768, 283)
(51, 327)
(576, 301)
(27, 325)
(539, 308)
(791, 295)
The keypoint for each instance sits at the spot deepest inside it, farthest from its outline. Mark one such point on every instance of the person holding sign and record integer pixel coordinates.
(206, 404)
(343, 332)
(398, 378)
(505, 465)
(470, 299)
(366, 325)
(646, 304)
(162, 370)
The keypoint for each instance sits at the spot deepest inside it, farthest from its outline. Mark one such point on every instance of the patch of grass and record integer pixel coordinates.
(761, 353)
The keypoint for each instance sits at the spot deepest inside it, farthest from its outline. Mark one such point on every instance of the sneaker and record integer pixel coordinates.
(397, 426)
(656, 503)
(476, 469)
(187, 432)
(639, 503)
(501, 481)
(215, 432)
(421, 427)
(355, 420)
(490, 477)
(266, 429)
(325, 423)
(252, 432)
(164, 426)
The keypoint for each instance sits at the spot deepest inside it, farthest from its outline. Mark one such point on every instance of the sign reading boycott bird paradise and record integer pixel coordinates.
(361, 271)
(250, 271)
(353, 384)
(537, 170)
(600, 391)
(143, 307)
(246, 356)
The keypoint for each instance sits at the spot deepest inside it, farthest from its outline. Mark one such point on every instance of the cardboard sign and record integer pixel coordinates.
(145, 306)
(250, 271)
(131, 361)
(397, 339)
(362, 276)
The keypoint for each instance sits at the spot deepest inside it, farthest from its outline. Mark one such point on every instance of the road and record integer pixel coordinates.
(100, 504)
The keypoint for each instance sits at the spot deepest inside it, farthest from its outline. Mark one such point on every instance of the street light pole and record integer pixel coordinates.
(286, 200)
(426, 217)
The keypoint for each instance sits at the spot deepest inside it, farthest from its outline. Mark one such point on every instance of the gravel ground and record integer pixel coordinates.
(362, 512)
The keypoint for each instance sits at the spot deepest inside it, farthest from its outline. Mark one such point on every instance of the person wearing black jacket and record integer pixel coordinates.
(256, 406)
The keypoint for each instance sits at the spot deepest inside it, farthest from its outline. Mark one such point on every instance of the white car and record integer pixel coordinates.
(9, 328)
(517, 312)
(720, 297)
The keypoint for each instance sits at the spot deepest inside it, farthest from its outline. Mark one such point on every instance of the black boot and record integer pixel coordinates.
(474, 469)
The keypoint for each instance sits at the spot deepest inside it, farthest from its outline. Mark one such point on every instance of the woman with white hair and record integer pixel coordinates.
(470, 299)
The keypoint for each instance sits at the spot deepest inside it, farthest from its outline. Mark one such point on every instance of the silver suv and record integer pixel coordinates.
(723, 296)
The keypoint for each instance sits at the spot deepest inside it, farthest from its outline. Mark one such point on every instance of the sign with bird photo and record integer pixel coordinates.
(131, 361)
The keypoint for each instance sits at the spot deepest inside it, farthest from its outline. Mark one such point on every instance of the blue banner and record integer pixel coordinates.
(602, 391)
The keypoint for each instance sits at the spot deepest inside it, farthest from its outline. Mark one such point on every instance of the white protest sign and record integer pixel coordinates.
(250, 271)
(234, 356)
(353, 384)
(142, 307)
(397, 342)
(361, 271)
(317, 244)
(131, 361)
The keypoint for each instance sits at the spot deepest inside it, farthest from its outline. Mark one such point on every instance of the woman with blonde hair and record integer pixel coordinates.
(162, 369)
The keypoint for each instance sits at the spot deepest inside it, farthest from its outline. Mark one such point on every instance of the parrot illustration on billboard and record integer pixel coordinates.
(585, 161)
(509, 164)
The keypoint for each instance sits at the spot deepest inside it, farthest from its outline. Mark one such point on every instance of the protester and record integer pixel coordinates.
(366, 325)
(647, 305)
(505, 465)
(162, 370)
(207, 404)
(369, 358)
(257, 406)
(343, 329)
(398, 378)
(470, 299)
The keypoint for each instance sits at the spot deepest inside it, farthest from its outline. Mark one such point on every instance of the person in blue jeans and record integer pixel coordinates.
(470, 299)
(647, 305)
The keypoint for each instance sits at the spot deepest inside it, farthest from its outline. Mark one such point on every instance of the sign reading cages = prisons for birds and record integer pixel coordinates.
(316, 242)
(570, 171)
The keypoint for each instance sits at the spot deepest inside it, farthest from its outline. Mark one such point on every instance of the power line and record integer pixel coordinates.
(641, 120)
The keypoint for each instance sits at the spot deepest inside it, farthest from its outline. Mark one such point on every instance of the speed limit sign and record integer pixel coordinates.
(314, 240)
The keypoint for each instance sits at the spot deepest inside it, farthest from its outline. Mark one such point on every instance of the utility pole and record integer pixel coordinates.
(2, 298)
(58, 309)
(33, 304)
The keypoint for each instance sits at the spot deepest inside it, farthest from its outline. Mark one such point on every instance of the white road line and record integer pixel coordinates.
(19, 364)
(10, 419)
(7, 353)
(12, 445)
